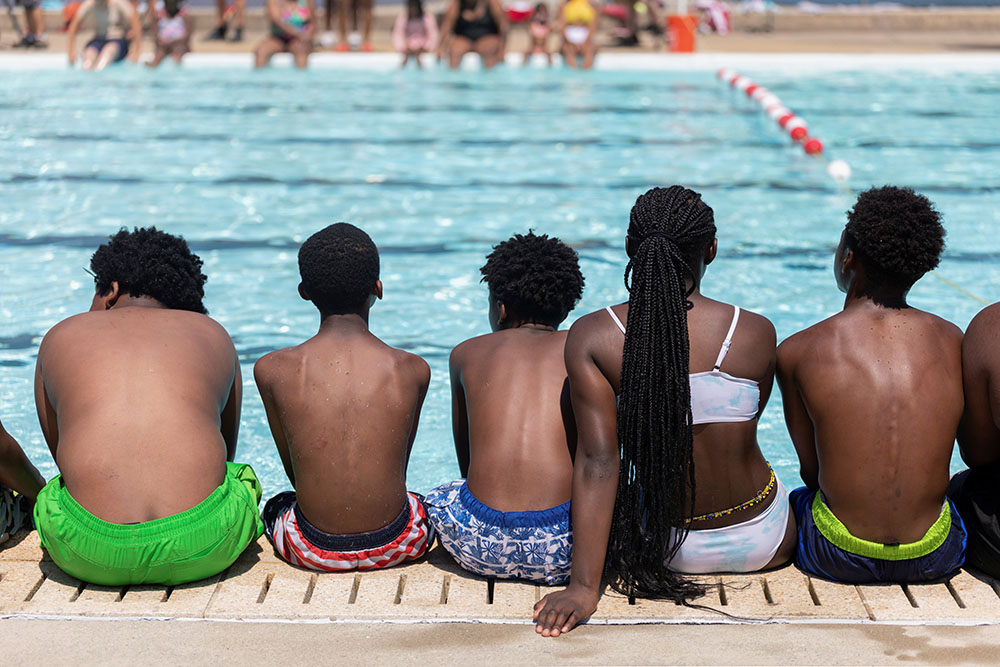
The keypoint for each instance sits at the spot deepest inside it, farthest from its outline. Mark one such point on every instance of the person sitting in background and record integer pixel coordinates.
(118, 33)
(415, 32)
(33, 36)
(139, 402)
(513, 426)
(172, 28)
(539, 31)
(578, 19)
(976, 491)
(292, 29)
(361, 15)
(227, 14)
(343, 409)
(474, 25)
(668, 476)
(20, 483)
(873, 398)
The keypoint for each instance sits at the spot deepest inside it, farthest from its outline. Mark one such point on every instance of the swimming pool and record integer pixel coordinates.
(437, 166)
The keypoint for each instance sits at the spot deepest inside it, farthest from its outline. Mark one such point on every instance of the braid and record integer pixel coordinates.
(656, 482)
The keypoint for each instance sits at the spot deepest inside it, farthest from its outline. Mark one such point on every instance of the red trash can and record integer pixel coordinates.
(681, 31)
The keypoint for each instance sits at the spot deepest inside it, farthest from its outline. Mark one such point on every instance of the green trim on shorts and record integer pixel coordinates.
(176, 549)
(836, 532)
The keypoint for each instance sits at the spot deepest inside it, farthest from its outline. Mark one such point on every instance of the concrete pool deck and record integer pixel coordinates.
(263, 610)
(259, 586)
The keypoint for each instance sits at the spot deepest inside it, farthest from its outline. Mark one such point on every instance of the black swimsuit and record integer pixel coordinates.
(477, 28)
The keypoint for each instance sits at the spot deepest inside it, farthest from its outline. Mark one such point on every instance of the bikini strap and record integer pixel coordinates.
(615, 318)
(729, 339)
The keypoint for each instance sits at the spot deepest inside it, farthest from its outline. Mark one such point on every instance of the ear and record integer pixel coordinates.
(629, 246)
(501, 312)
(302, 292)
(107, 301)
(711, 251)
(377, 292)
(848, 260)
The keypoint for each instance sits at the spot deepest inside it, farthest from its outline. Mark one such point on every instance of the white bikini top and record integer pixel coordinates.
(717, 396)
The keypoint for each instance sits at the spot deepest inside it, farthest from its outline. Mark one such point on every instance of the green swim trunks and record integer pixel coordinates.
(194, 544)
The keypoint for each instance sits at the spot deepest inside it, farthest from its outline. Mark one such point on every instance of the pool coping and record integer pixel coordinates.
(781, 63)
(259, 587)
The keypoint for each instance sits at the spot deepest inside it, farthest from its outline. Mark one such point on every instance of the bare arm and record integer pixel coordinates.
(448, 24)
(500, 16)
(459, 416)
(16, 471)
(134, 33)
(47, 417)
(595, 485)
(310, 28)
(423, 372)
(74, 25)
(979, 431)
(263, 373)
(797, 419)
(229, 418)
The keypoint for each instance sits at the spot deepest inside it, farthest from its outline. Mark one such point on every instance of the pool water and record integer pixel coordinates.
(438, 166)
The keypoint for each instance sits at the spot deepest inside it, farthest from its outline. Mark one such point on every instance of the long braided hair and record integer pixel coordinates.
(668, 228)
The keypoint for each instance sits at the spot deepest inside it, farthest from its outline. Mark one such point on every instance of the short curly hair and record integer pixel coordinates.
(148, 262)
(897, 235)
(536, 277)
(339, 266)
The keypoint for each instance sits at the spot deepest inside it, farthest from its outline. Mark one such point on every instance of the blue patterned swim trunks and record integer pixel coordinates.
(536, 545)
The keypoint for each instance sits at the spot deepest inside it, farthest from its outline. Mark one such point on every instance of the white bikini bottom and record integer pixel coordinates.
(743, 547)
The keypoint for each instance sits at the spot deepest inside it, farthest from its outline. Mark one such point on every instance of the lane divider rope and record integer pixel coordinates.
(798, 131)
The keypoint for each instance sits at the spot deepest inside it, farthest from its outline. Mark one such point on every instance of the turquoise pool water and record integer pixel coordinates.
(438, 166)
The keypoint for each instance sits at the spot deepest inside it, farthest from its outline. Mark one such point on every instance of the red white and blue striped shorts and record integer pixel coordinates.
(409, 536)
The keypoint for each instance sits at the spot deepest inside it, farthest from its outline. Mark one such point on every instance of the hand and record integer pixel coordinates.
(560, 612)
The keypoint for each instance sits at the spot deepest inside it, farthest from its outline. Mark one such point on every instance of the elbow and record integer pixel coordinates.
(600, 466)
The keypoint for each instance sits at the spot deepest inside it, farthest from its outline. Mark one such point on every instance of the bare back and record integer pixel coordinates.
(343, 408)
(729, 466)
(134, 403)
(883, 390)
(518, 439)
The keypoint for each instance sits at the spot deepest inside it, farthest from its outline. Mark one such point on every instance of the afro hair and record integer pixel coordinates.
(897, 235)
(148, 262)
(339, 267)
(536, 277)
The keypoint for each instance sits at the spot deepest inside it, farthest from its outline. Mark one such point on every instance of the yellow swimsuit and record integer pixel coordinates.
(578, 12)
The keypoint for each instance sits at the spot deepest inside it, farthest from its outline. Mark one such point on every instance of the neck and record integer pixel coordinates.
(859, 296)
(345, 323)
(530, 326)
(129, 301)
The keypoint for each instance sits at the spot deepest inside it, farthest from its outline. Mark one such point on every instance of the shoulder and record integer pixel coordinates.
(985, 325)
(269, 367)
(414, 365)
(758, 327)
(949, 331)
(592, 332)
(791, 349)
(470, 347)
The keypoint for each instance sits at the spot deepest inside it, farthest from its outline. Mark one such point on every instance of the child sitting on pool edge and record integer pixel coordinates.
(513, 427)
(172, 28)
(539, 31)
(343, 409)
(415, 32)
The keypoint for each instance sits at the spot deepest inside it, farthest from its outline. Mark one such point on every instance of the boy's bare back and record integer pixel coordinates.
(517, 400)
(132, 401)
(883, 387)
(347, 407)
